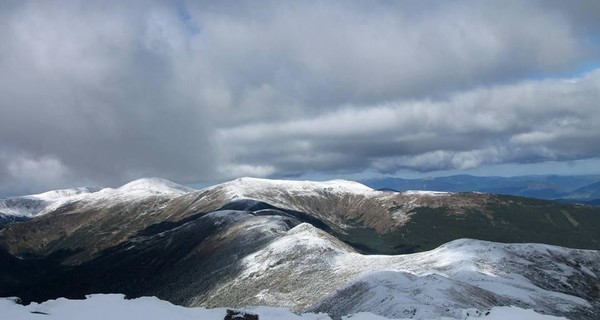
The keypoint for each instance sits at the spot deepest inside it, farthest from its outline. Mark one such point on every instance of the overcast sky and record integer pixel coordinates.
(101, 92)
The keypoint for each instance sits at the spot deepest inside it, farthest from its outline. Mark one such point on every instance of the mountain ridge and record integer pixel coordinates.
(307, 246)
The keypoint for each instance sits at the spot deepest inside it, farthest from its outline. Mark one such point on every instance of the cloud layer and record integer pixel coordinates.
(102, 93)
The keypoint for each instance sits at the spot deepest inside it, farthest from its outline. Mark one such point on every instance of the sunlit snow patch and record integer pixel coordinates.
(115, 307)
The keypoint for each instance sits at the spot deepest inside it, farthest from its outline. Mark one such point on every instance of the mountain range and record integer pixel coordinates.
(337, 247)
(578, 189)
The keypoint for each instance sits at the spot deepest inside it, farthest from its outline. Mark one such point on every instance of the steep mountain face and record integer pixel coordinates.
(302, 245)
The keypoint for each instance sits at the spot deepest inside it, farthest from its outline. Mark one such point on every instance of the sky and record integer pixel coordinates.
(104, 92)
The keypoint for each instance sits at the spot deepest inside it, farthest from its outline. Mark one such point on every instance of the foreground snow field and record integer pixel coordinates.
(115, 307)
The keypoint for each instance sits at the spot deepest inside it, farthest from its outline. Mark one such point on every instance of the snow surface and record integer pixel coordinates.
(155, 185)
(426, 193)
(246, 187)
(115, 307)
(64, 193)
(39, 204)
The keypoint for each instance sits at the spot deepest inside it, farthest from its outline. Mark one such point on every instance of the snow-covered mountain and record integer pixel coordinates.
(336, 201)
(306, 269)
(89, 218)
(309, 246)
(245, 188)
(39, 204)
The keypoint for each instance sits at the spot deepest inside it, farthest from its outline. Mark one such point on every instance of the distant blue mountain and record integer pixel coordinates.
(580, 189)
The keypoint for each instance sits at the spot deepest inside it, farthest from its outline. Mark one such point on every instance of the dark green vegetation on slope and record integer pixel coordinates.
(510, 220)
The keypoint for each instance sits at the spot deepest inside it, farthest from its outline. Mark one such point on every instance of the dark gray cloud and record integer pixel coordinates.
(102, 93)
(88, 96)
(522, 122)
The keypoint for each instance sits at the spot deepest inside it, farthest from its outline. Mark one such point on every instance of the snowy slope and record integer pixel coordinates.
(246, 188)
(39, 204)
(149, 186)
(115, 307)
(308, 269)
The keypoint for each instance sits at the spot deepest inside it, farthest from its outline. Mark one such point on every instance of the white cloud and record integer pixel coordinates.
(23, 173)
(244, 170)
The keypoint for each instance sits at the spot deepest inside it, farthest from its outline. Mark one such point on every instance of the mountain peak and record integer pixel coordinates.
(39, 204)
(247, 184)
(63, 193)
(155, 185)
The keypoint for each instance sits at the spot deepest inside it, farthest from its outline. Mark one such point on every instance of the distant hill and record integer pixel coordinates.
(580, 189)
